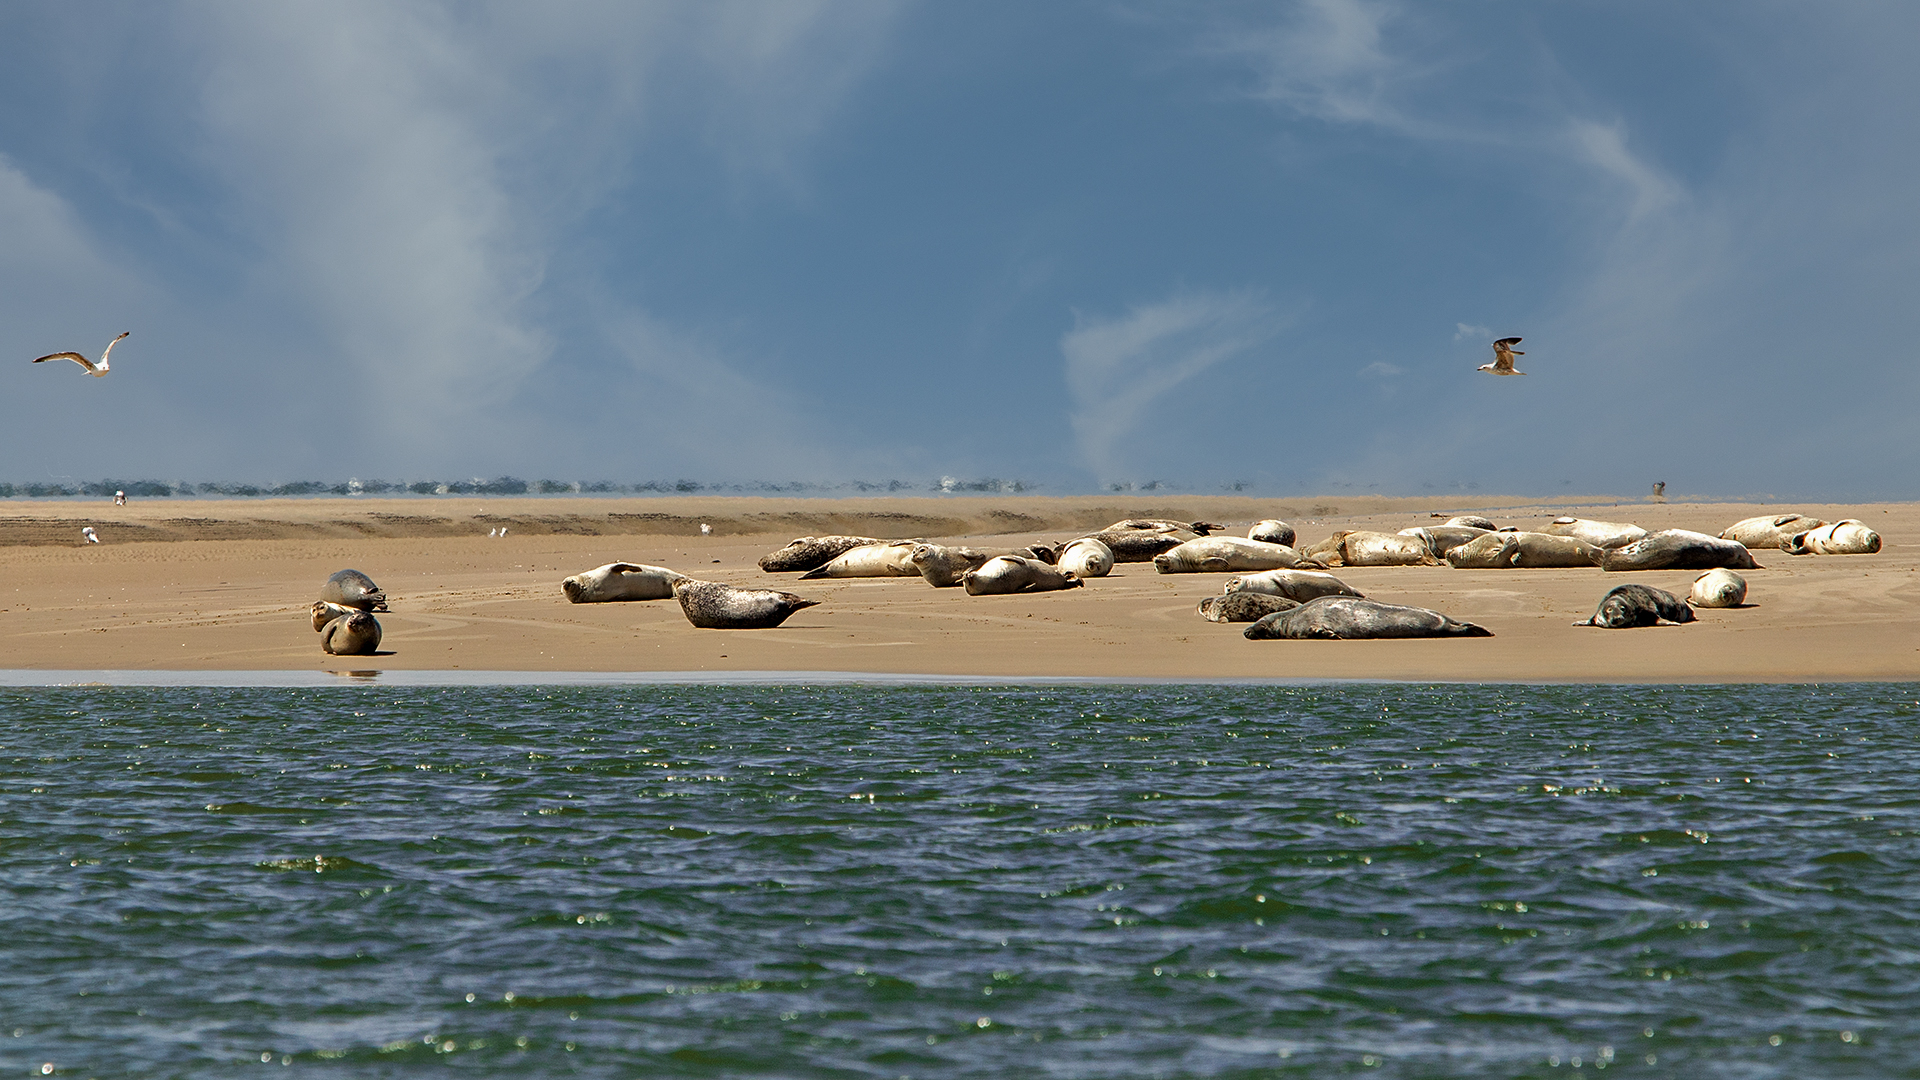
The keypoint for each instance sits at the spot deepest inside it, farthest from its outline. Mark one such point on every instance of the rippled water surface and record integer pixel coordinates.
(922, 881)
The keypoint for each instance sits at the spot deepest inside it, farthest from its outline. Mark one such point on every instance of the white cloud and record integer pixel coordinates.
(1381, 371)
(1468, 331)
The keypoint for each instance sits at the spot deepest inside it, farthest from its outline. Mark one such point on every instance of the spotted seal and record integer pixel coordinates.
(713, 606)
(1273, 531)
(1638, 605)
(357, 633)
(1601, 534)
(1006, 574)
(1770, 532)
(1849, 537)
(351, 588)
(1352, 618)
(1227, 554)
(1718, 588)
(620, 581)
(1522, 550)
(888, 558)
(1678, 549)
(1243, 606)
(1298, 585)
(810, 552)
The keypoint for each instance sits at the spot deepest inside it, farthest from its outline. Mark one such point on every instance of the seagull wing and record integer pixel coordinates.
(1509, 342)
(73, 356)
(109, 349)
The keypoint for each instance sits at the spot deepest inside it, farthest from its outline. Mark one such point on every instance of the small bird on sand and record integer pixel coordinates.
(1503, 354)
(96, 370)
(706, 529)
(92, 537)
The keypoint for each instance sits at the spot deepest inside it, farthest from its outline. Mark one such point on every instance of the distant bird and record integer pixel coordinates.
(1660, 487)
(706, 529)
(92, 537)
(119, 498)
(1503, 354)
(96, 370)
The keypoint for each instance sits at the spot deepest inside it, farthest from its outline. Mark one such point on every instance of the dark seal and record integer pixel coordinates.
(713, 606)
(1352, 618)
(1638, 605)
(811, 552)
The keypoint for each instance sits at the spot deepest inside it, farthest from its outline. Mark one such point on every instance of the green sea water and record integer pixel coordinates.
(927, 881)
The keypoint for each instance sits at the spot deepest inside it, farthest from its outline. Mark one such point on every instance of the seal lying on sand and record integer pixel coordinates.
(1350, 618)
(713, 606)
(888, 558)
(1273, 531)
(1085, 558)
(1299, 585)
(942, 566)
(1847, 537)
(1441, 539)
(1244, 606)
(1473, 521)
(1005, 574)
(1678, 549)
(1197, 528)
(1638, 605)
(354, 634)
(809, 552)
(1769, 532)
(1604, 534)
(1522, 550)
(1136, 545)
(620, 581)
(351, 588)
(1366, 548)
(1225, 554)
(324, 613)
(1718, 588)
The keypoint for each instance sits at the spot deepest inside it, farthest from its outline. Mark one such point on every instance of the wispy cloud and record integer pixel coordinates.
(1468, 331)
(1116, 367)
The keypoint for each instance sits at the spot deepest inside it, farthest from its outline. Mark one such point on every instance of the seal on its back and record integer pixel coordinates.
(356, 633)
(1601, 534)
(1638, 605)
(1351, 618)
(1527, 550)
(351, 588)
(1769, 532)
(1847, 537)
(809, 552)
(713, 606)
(620, 581)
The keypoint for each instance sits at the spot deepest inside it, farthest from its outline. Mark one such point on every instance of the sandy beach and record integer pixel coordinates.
(225, 585)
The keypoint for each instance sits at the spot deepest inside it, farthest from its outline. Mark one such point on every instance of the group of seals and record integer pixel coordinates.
(344, 614)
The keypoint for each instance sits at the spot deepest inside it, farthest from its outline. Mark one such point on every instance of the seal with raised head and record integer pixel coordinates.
(1085, 558)
(942, 566)
(888, 558)
(1638, 605)
(356, 633)
(1243, 606)
(1352, 618)
(1769, 532)
(1602, 534)
(1441, 539)
(1006, 574)
(1718, 588)
(351, 588)
(1522, 550)
(1227, 554)
(620, 581)
(1297, 585)
(324, 613)
(1273, 531)
(809, 552)
(1678, 549)
(713, 606)
(1849, 537)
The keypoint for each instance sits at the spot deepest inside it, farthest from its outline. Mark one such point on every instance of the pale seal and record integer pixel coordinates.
(1005, 574)
(1243, 606)
(1718, 588)
(1227, 554)
(1679, 549)
(1273, 531)
(1297, 585)
(620, 581)
(887, 558)
(1522, 550)
(1638, 605)
(351, 588)
(713, 606)
(808, 552)
(1085, 558)
(324, 613)
(1770, 532)
(1366, 548)
(1605, 534)
(1847, 537)
(1351, 618)
(942, 566)
(354, 634)
(1441, 539)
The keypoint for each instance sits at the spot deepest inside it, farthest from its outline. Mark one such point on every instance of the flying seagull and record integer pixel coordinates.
(96, 370)
(1503, 354)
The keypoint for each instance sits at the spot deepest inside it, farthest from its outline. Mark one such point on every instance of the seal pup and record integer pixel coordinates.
(1296, 585)
(324, 613)
(620, 581)
(351, 588)
(96, 370)
(1441, 539)
(1638, 605)
(1197, 528)
(1085, 558)
(942, 566)
(1849, 537)
(1770, 532)
(354, 634)
(1006, 574)
(810, 552)
(1718, 588)
(1606, 534)
(1522, 550)
(1226, 554)
(713, 606)
(1503, 354)
(888, 558)
(1243, 606)
(1678, 549)
(1273, 531)
(1351, 618)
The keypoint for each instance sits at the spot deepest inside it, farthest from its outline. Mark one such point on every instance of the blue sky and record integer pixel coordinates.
(1077, 244)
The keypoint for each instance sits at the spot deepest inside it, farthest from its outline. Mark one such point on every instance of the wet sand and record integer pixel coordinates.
(225, 585)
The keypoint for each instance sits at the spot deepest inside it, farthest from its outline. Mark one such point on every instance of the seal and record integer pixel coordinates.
(1604, 534)
(1352, 618)
(1273, 531)
(1441, 539)
(1197, 528)
(1770, 532)
(887, 558)
(1085, 558)
(810, 552)
(1718, 588)
(1364, 548)
(1006, 574)
(1678, 549)
(943, 567)
(1136, 545)
(351, 588)
(1849, 537)
(1638, 605)
(1522, 550)
(1297, 585)
(1226, 554)
(1474, 521)
(620, 581)
(713, 606)
(324, 613)
(356, 633)
(1243, 606)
